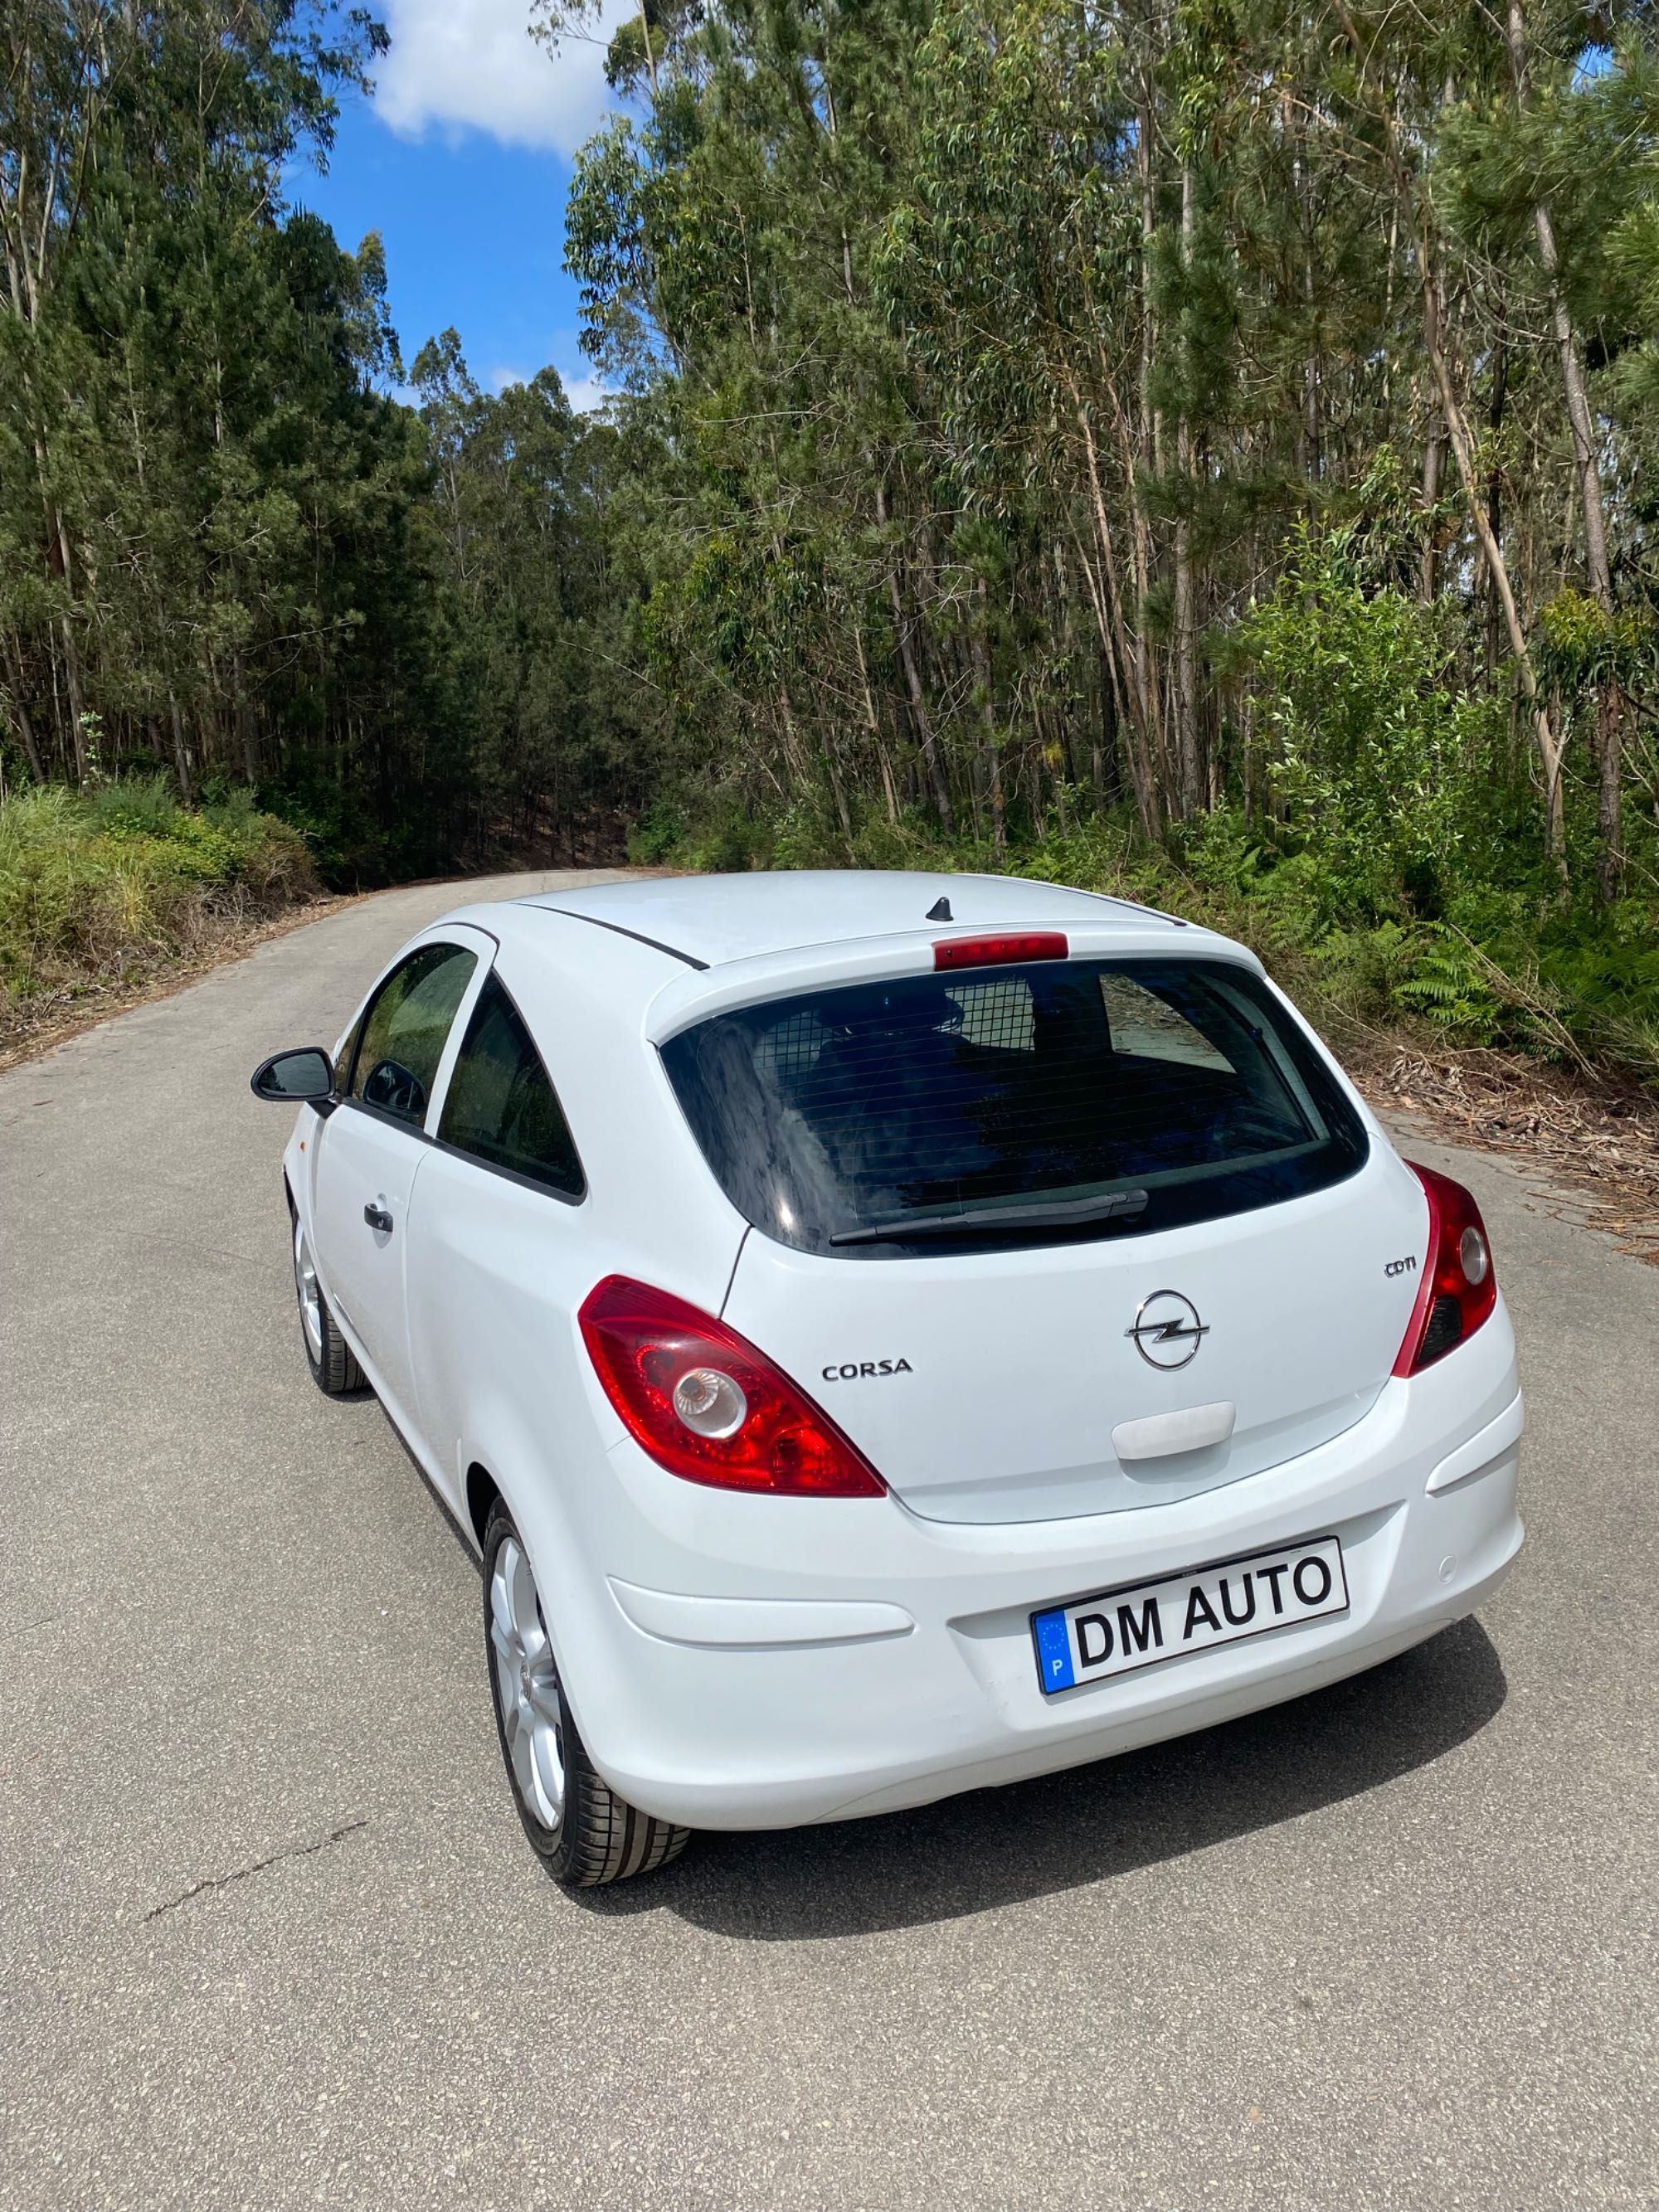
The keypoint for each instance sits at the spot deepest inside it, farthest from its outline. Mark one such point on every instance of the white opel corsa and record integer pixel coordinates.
(886, 1335)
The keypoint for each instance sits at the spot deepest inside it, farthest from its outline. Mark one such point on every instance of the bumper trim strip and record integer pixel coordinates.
(759, 1623)
(1484, 1446)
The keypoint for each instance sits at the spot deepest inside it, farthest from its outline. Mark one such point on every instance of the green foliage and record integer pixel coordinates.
(1581, 645)
(1376, 758)
(1442, 976)
(1508, 965)
(658, 835)
(94, 890)
(139, 807)
(228, 554)
(1131, 446)
(1035, 426)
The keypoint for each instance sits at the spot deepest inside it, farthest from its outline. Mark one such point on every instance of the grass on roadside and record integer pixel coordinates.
(114, 887)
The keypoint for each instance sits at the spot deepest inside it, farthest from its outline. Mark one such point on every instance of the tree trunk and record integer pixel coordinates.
(1189, 761)
(1572, 367)
(180, 750)
(873, 723)
(1145, 665)
(1108, 617)
(925, 732)
(1610, 867)
(19, 708)
(247, 731)
(1434, 454)
(1500, 387)
(1610, 788)
(1132, 655)
(1462, 445)
(992, 755)
(1578, 415)
(77, 704)
(838, 791)
(1150, 421)
(1312, 437)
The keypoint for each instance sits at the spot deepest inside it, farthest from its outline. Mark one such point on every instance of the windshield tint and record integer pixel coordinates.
(880, 1106)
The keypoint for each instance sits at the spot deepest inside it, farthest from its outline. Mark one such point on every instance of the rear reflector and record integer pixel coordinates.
(709, 1407)
(1459, 1285)
(999, 951)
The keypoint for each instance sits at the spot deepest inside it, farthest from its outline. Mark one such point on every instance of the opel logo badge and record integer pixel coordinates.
(1167, 1330)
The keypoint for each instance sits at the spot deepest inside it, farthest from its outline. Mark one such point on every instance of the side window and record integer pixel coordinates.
(403, 1034)
(1150, 1027)
(502, 1106)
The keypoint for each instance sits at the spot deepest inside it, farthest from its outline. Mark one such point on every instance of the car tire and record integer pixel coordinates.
(332, 1362)
(581, 1831)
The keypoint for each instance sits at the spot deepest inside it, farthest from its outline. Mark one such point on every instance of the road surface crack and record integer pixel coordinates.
(212, 1882)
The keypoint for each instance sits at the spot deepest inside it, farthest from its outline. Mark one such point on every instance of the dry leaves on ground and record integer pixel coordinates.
(1596, 1142)
(34, 1025)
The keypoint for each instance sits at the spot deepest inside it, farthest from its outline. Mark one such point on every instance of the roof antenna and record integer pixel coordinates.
(940, 911)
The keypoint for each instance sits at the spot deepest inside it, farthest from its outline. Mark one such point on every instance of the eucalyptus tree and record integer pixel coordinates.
(986, 354)
(1539, 169)
(223, 545)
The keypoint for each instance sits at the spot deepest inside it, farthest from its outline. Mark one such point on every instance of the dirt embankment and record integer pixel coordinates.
(222, 932)
(1595, 1145)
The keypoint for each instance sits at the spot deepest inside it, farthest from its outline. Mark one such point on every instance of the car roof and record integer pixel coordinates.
(707, 920)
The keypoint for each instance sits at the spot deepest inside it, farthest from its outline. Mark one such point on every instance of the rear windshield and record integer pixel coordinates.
(1066, 1099)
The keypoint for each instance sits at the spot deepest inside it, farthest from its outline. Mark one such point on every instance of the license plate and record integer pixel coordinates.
(1145, 1623)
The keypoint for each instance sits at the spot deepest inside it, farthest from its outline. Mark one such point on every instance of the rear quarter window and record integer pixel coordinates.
(501, 1108)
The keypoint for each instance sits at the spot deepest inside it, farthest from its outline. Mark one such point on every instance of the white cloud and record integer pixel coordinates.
(586, 393)
(471, 64)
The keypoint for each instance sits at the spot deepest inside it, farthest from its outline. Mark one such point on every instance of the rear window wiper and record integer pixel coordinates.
(991, 1220)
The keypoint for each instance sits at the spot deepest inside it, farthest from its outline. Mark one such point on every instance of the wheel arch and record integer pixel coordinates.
(501, 1470)
(482, 1492)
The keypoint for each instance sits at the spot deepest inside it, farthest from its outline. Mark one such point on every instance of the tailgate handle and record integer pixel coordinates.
(1161, 1435)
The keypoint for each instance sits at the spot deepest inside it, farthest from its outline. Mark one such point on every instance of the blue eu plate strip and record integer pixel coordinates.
(1053, 1645)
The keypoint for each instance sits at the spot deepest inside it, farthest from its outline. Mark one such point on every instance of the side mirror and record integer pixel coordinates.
(303, 1078)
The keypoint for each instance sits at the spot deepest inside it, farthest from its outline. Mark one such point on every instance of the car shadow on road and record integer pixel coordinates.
(1031, 1839)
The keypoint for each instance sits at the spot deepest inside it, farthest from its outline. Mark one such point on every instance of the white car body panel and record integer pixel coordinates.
(740, 1661)
(719, 921)
(362, 1161)
(1021, 1364)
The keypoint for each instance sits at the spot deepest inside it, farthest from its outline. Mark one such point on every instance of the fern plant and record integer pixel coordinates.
(1446, 981)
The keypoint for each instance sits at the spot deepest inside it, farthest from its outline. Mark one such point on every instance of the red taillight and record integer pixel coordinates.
(998, 951)
(1459, 1287)
(709, 1407)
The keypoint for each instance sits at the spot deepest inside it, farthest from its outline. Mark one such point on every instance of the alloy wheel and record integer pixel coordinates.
(526, 1686)
(310, 1294)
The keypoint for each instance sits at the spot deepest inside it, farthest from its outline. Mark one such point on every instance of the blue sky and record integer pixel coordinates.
(461, 160)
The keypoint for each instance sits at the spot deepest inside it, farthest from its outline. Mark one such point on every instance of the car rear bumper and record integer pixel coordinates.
(765, 1662)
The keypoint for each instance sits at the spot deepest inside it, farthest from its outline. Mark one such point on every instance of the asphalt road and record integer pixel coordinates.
(270, 1935)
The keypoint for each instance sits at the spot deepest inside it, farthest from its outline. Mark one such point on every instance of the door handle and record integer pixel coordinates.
(377, 1218)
